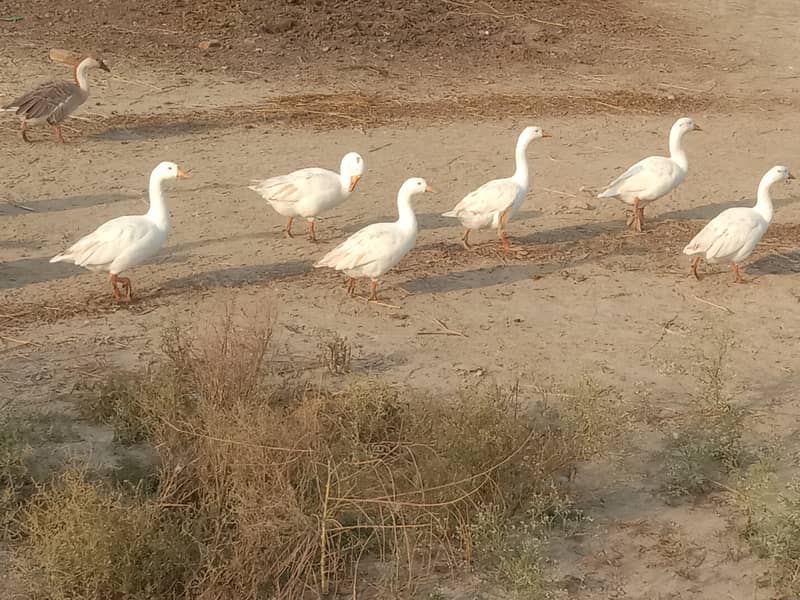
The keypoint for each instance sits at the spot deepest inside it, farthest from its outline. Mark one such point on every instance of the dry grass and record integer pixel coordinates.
(86, 540)
(267, 488)
(335, 111)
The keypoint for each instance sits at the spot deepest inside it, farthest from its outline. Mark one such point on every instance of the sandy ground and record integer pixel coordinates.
(578, 294)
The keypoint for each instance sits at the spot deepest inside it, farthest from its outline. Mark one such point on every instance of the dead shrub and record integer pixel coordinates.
(85, 540)
(274, 495)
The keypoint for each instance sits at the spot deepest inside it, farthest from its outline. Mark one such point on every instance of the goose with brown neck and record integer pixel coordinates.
(53, 102)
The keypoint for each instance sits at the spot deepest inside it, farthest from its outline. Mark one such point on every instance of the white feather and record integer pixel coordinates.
(731, 236)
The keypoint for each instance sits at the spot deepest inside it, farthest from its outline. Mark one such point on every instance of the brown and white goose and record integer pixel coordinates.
(54, 101)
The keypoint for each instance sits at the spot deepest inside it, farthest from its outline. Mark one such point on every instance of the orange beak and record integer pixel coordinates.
(353, 181)
(428, 188)
(790, 176)
(182, 174)
(698, 128)
(545, 134)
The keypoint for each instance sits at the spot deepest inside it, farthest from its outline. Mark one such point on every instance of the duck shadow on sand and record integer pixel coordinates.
(45, 205)
(159, 130)
(472, 279)
(707, 212)
(240, 276)
(25, 271)
(776, 264)
(429, 221)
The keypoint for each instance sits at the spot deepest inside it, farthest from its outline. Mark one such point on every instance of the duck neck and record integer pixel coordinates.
(764, 198)
(521, 160)
(80, 74)
(676, 152)
(406, 217)
(158, 212)
(344, 181)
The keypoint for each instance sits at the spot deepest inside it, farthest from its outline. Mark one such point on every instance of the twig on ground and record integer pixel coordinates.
(725, 308)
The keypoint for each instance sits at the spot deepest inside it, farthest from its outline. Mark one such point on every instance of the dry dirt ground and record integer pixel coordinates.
(438, 90)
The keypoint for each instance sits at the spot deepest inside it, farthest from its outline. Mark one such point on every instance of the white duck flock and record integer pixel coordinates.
(731, 236)
(125, 242)
(654, 176)
(499, 200)
(311, 191)
(373, 250)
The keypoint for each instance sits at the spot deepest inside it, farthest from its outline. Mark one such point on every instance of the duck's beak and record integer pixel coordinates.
(182, 174)
(428, 188)
(104, 66)
(353, 181)
(545, 134)
(790, 176)
(697, 127)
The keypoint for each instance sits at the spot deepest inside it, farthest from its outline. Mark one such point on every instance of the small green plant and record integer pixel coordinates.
(511, 551)
(336, 353)
(14, 476)
(709, 444)
(772, 527)
(115, 402)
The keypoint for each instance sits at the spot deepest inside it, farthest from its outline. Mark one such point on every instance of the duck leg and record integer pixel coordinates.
(695, 262)
(738, 278)
(373, 290)
(22, 130)
(501, 230)
(311, 235)
(641, 218)
(351, 286)
(637, 215)
(114, 287)
(125, 282)
(288, 229)
(59, 134)
(465, 240)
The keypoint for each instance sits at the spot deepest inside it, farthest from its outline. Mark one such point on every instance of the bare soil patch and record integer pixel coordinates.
(408, 36)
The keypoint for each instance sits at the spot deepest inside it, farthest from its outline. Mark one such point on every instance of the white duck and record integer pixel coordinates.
(731, 236)
(311, 191)
(373, 250)
(497, 201)
(125, 242)
(654, 176)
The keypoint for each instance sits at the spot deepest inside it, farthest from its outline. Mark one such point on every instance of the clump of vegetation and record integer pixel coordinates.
(14, 476)
(770, 518)
(264, 493)
(511, 551)
(709, 444)
(86, 540)
(774, 533)
(114, 402)
(336, 353)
